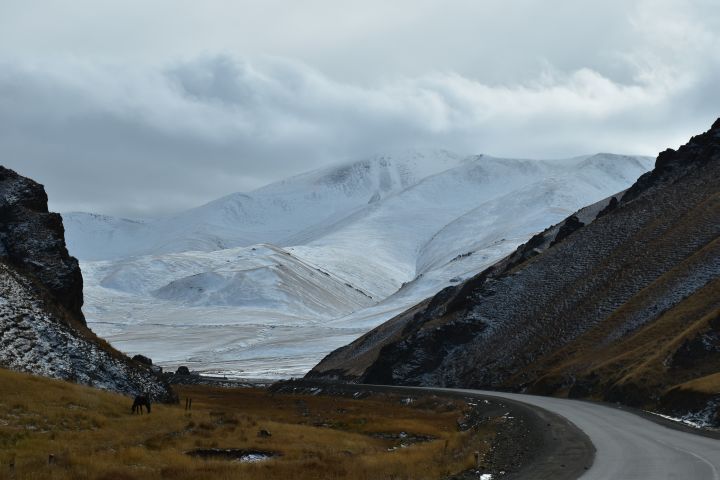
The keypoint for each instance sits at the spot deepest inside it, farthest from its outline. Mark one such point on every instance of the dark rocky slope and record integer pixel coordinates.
(622, 308)
(33, 240)
(42, 329)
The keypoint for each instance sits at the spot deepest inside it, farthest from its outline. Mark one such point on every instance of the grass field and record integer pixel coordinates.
(91, 434)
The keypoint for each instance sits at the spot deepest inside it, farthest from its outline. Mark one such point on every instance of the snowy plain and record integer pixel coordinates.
(264, 284)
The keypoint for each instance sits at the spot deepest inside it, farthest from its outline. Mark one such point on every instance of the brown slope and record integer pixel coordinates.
(607, 311)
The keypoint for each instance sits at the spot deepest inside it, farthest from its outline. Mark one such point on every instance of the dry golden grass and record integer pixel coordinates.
(92, 435)
(709, 384)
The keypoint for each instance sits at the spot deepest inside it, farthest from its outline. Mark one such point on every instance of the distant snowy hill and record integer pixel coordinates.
(266, 283)
(272, 214)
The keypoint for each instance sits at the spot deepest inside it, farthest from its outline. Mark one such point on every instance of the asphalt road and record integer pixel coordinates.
(628, 446)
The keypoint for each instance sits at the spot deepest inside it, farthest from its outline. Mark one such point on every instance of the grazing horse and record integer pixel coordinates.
(140, 401)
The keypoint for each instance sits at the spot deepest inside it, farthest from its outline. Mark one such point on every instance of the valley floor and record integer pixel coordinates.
(59, 430)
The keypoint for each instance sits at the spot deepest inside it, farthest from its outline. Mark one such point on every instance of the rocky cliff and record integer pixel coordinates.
(622, 306)
(33, 240)
(42, 329)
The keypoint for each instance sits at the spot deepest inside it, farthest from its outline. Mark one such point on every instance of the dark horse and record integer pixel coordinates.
(140, 401)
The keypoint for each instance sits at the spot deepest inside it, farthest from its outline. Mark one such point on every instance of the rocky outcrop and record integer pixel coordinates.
(618, 305)
(700, 150)
(143, 359)
(42, 329)
(699, 349)
(570, 225)
(33, 239)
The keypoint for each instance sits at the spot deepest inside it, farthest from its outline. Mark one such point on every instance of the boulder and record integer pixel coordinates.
(143, 359)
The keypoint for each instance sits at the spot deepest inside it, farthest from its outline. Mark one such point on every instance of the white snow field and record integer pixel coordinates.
(264, 284)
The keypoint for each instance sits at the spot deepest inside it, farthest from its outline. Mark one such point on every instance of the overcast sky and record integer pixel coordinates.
(140, 107)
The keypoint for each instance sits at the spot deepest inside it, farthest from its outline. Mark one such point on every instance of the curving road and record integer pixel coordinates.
(628, 446)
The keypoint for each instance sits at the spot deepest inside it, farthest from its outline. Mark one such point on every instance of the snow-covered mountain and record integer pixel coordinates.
(273, 214)
(266, 283)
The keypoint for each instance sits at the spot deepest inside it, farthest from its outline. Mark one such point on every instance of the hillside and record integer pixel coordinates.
(267, 283)
(42, 329)
(625, 307)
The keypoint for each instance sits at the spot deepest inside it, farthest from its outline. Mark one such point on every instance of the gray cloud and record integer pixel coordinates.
(143, 133)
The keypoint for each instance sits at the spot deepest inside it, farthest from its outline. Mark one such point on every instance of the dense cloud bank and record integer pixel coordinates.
(142, 137)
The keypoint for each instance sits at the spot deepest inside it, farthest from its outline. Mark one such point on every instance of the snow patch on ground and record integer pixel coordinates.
(702, 419)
